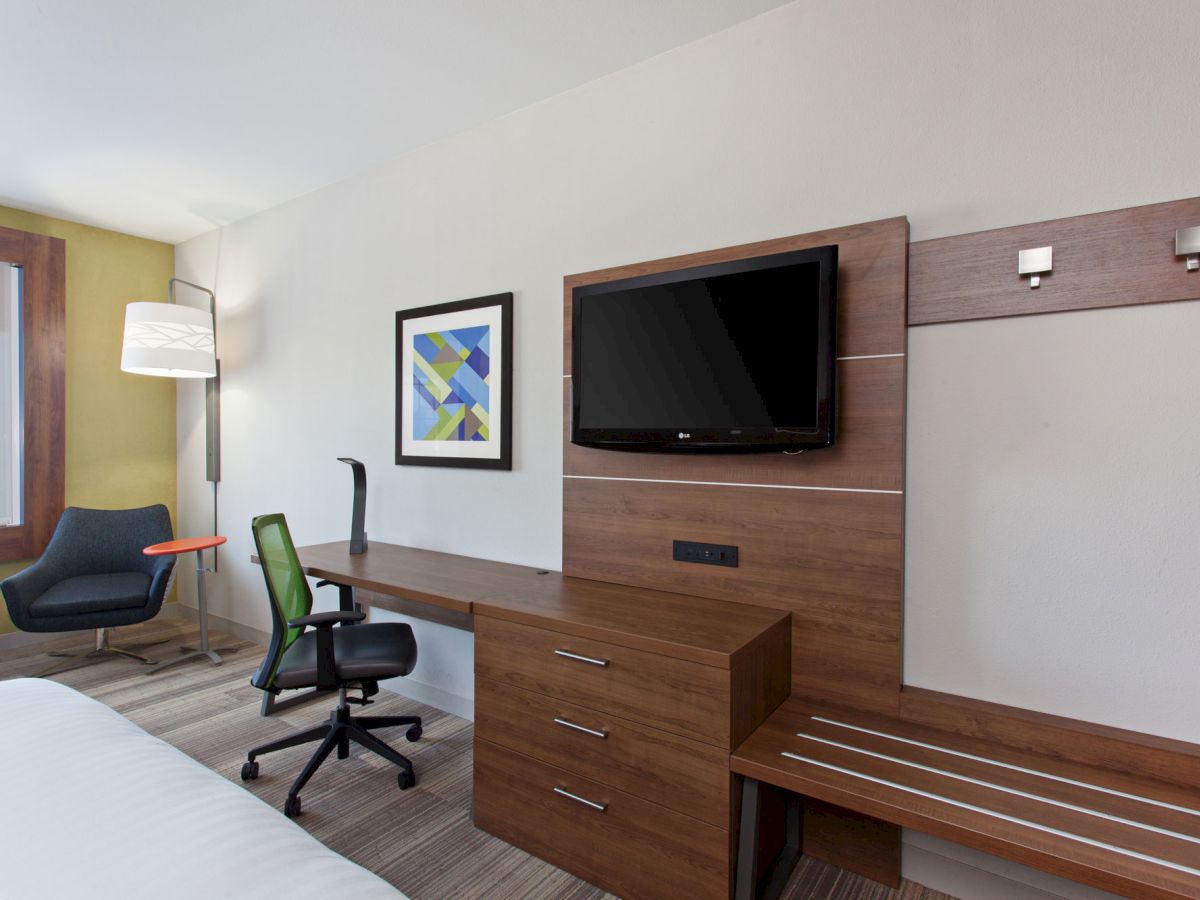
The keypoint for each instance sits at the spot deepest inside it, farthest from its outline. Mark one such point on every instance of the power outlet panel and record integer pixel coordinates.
(709, 554)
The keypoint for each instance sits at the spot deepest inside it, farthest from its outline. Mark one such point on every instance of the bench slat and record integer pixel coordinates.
(1111, 801)
(1092, 826)
(1110, 830)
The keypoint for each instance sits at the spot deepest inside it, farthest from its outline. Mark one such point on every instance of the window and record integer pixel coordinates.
(12, 449)
(32, 390)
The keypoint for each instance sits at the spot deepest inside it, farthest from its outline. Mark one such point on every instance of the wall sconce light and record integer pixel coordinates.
(1034, 262)
(1187, 243)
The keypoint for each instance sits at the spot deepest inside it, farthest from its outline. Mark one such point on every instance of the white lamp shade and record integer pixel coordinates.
(168, 339)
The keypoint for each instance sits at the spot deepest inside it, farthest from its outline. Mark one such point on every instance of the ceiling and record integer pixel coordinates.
(166, 119)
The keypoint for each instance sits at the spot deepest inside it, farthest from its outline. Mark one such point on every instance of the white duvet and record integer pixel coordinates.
(93, 806)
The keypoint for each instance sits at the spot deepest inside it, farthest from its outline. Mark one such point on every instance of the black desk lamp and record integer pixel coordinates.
(358, 536)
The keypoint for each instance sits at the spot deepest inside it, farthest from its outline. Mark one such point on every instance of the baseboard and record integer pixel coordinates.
(971, 875)
(220, 623)
(463, 707)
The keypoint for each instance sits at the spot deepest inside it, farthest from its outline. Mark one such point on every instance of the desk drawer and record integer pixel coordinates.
(668, 694)
(630, 847)
(670, 770)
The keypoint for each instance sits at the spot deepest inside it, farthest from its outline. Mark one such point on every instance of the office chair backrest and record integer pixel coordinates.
(286, 586)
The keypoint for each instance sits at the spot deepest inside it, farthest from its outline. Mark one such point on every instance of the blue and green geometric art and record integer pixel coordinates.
(452, 384)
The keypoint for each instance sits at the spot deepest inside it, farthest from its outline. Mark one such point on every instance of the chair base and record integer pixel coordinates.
(90, 657)
(341, 729)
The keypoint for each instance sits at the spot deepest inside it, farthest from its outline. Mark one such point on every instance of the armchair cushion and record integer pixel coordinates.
(85, 594)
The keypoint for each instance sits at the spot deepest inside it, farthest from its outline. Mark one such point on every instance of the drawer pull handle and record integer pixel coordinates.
(586, 659)
(592, 803)
(592, 731)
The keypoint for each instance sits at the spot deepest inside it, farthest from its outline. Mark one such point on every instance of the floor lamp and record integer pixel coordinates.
(175, 341)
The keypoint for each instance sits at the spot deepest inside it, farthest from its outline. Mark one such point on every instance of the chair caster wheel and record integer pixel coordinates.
(414, 733)
(406, 780)
(249, 771)
(291, 807)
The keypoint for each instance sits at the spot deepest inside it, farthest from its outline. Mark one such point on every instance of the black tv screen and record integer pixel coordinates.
(730, 356)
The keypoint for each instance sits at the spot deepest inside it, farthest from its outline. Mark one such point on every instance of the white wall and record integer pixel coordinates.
(1052, 514)
(1053, 541)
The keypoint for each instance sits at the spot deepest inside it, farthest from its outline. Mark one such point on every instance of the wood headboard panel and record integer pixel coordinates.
(820, 534)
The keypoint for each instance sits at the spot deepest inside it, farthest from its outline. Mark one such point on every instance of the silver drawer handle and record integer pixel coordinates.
(592, 731)
(593, 804)
(586, 659)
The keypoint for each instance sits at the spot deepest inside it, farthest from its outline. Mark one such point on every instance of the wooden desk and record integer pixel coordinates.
(426, 576)
(439, 587)
(605, 715)
(710, 632)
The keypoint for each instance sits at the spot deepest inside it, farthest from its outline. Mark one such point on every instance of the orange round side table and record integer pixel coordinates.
(195, 545)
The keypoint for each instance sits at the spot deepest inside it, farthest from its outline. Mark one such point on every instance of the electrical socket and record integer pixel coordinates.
(708, 554)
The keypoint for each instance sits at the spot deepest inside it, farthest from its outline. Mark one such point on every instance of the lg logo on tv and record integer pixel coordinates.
(683, 434)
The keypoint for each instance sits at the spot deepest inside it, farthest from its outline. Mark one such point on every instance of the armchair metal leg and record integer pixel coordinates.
(102, 650)
(132, 655)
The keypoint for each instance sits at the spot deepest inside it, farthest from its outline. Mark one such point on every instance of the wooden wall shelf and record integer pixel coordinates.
(1125, 257)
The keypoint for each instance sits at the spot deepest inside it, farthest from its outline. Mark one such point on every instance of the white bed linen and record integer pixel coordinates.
(93, 806)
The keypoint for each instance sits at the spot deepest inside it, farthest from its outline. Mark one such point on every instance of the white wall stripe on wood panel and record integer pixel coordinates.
(782, 487)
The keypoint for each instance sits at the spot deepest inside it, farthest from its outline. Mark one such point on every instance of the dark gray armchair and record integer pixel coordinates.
(93, 574)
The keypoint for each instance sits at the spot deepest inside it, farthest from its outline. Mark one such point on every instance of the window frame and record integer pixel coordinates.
(43, 372)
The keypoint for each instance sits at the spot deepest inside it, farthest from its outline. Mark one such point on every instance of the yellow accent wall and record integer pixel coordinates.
(120, 427)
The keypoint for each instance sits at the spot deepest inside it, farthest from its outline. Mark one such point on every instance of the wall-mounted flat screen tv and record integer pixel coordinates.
(734, 356)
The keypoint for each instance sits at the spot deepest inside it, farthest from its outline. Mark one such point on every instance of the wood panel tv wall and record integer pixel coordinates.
(821, 533)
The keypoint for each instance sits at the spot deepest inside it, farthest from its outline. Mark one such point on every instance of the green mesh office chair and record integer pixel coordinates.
(307, 651)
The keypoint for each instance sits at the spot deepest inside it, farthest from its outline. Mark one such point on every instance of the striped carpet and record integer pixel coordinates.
(421, 840)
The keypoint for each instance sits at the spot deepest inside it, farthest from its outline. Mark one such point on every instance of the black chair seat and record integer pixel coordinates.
(86, 594)
(376, 651)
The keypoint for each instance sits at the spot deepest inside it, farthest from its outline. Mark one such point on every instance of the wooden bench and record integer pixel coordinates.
(1132, 827)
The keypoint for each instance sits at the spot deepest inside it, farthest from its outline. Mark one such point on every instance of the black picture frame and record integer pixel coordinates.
(492, 308)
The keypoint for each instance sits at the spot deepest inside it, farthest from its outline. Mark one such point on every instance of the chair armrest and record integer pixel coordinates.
(160, 576)
(324, 622)
(345, 595)
(327, 619)
(21, 589)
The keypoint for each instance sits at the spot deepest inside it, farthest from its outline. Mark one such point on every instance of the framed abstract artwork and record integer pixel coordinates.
(454, 384)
